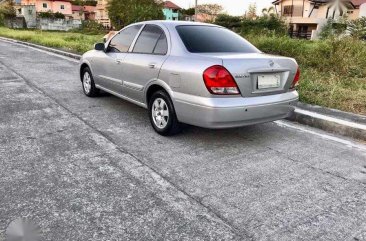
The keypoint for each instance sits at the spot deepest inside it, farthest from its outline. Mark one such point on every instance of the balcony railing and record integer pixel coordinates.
(300, 35)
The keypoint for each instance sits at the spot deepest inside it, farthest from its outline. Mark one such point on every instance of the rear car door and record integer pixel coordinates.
(144, 62)
(111, 70)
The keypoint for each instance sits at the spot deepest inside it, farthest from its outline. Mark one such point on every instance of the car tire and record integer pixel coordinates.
(162, 114)
(88, 84)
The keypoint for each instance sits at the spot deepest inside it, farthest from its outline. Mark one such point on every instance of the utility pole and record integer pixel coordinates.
(195, 10)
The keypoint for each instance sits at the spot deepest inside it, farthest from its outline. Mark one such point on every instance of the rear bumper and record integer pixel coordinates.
(218, 113)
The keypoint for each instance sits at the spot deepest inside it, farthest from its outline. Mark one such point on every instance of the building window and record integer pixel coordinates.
(287, 10)
(292, 11)
(44, 5)
(62, 7)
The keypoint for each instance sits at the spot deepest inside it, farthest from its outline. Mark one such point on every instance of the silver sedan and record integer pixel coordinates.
(193, 73)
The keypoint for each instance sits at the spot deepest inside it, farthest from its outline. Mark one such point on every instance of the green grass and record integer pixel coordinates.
(73, 42)
(333, 71)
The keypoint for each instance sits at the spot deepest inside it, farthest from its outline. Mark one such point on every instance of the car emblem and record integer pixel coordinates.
(271, 63)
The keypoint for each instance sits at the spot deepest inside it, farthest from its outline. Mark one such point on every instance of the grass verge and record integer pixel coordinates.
(72, 42)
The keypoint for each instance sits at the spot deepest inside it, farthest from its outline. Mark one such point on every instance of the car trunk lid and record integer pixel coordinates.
(259, 74)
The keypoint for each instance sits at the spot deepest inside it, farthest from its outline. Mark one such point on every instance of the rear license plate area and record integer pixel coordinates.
(269, 81)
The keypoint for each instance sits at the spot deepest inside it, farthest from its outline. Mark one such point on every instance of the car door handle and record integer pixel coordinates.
(152, 66)
(119, 61)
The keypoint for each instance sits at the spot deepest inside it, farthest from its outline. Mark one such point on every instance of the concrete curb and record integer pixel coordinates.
(330, 120)
(52, 50)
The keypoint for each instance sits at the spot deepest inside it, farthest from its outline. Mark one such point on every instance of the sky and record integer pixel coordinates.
(232, 7)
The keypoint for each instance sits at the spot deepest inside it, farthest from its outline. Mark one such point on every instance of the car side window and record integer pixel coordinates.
(123, 40)
(162, 45)
(152, 40)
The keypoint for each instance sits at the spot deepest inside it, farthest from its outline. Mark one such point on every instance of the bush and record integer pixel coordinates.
(51, 15)
(48, 14)
(227, 21)
(333, 28)
(2, 20)
(91, 27)
(84, 2)
(267, 25)
(357, 28)
(59, 15)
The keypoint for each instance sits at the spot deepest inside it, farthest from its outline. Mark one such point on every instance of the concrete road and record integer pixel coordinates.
(93, 169)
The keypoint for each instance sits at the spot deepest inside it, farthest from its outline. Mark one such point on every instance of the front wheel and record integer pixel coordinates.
(162, 114)
(88, 83)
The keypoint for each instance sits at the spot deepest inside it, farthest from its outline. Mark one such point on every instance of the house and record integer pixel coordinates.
(171, 11)
(29, 13)
(83, 12)
(307, 17)
(102, 13)
(54, 6)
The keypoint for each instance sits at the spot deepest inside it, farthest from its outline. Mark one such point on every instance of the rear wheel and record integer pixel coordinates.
(88, 83)
(162, 114)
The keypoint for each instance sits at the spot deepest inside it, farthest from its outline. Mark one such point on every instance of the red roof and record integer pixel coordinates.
(171, 5)
(358, 2)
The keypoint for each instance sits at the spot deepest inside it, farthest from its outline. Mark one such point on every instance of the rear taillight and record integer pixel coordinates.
(295, 82)
(219, 81)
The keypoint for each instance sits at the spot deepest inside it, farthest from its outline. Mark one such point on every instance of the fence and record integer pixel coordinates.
(57, 24)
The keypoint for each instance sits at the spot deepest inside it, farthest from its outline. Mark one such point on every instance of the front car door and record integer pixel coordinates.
(144, 62)
(110, 74)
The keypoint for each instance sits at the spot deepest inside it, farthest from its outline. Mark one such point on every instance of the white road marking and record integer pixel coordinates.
(331, 119)
(305, 129)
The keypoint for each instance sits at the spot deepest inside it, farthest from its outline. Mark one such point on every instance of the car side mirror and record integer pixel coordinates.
(99, 46)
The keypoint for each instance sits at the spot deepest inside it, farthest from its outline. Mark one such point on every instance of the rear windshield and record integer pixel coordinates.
(211, 39)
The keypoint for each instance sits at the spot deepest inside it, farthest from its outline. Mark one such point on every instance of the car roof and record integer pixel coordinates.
(170, 23)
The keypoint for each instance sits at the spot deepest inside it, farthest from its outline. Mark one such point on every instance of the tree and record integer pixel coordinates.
(211, 10)
(188, 12)
(123, 13)
(252, 11)
(7, 9)
(268, 11)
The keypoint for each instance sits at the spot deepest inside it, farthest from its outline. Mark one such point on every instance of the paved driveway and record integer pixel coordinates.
(93, 169)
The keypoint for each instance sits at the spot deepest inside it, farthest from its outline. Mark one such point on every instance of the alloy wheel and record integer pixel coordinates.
(160, 113)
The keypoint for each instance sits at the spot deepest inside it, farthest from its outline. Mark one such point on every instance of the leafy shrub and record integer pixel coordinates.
(228, 21)
(2, 20)
(59, 15)
(91, 27)
(51, 15)
(357, 28)
(84, 2)
(333, 28)
(268, 25)
(48, 14)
